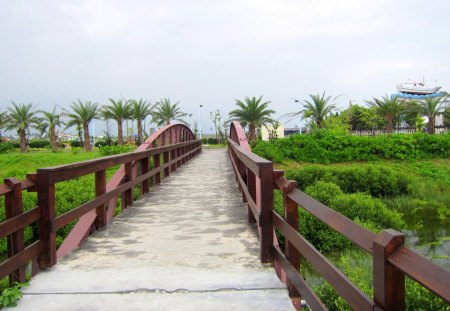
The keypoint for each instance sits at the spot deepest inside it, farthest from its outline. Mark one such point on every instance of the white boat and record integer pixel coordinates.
(417, 88)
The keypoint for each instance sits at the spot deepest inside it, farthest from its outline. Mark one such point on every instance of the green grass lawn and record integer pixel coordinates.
(18, 164)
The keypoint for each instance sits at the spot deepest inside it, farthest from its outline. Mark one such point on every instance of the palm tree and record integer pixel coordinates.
(319, 107)
(3, 121)
(388, 108)
(141, 109)
(119, 111)
(252, 112)
(22, 117)
(431, 107)
(52, 120)
(82, 115)
(164, 112)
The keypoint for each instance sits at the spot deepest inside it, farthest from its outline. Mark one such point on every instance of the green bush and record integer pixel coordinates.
(101, 143)
(6, 147)
(369, 212)
(39, 143)
(377, 180)
(110, 150)
(75, 144)
(212, 141)
(325, 146)
(357, 267)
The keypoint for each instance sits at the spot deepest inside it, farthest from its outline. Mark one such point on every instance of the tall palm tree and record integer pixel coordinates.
(3, 121)
(141, 109)
(318, 108)
(119, 111)
(22, 117)
(388, 108)
(164, 112)
(252, 112)
(431, 107)
(82, 114)
(105, 116)
(52, 120)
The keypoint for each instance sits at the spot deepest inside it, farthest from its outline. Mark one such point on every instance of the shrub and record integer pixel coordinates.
(377, 180)
(110, 150)
(369, 212)
(212, 141)
(101, 143)
(75, 144)
(6, 147)
(39, 143)
(325, 146)
(356, 266)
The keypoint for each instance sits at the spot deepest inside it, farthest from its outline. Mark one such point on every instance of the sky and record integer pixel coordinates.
(211, 53)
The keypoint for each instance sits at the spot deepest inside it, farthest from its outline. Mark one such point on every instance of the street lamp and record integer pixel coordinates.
(297, 101)
(200, 121)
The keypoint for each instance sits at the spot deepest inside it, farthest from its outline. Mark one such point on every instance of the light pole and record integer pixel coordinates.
(297, 101)
(200, 121)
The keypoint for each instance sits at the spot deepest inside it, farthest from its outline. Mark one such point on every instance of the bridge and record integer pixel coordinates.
(199, 235)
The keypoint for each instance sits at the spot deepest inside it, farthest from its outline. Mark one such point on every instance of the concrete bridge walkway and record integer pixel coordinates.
(185, 246)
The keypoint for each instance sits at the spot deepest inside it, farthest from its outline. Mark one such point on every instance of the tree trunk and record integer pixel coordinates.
(53, 139)
(389, 123)
(23, 140)
(119, 132)
(432, 126)
(252, 131)
(140, 135)
(87, 139)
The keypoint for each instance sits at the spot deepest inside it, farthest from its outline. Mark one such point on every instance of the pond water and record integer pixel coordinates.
(429, 236)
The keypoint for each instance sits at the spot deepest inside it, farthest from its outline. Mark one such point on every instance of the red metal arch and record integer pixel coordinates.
(167, 135)
(237, 135)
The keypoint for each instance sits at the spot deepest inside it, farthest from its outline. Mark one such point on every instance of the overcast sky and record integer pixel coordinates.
(212, 52)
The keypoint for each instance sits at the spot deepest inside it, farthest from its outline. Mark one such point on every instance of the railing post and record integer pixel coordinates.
(100, 189)
(46, 201)
(388, 281)
(156, 164)
(166, 158)
(145, 188)
(266, 205)
(251, 185)
(127, 197)
(291, 216)
(15, 242)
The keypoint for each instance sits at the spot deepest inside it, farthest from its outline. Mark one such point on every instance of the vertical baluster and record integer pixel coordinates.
(127, 197)
(156, 164)
(15, 241)
(46, 200)
(251, 185)
(388, 281)
(266, 205)
(291, 216)
(100, 189)
(145, 188)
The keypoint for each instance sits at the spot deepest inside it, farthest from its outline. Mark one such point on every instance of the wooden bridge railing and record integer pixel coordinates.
(392, 260)
(139, 167)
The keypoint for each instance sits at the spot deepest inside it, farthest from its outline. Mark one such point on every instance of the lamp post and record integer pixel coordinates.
(297, 101)
(200, 121)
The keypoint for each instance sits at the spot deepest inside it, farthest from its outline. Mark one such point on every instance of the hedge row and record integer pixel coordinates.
(377, 180)
(323, 146)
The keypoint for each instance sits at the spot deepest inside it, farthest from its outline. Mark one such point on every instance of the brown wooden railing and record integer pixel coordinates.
(392, 260)
(141, 167)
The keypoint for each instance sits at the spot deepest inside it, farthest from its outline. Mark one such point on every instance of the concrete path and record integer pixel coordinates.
(185, 246)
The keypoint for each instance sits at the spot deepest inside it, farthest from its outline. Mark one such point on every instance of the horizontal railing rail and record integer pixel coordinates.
(392, 260)
(140, 168)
